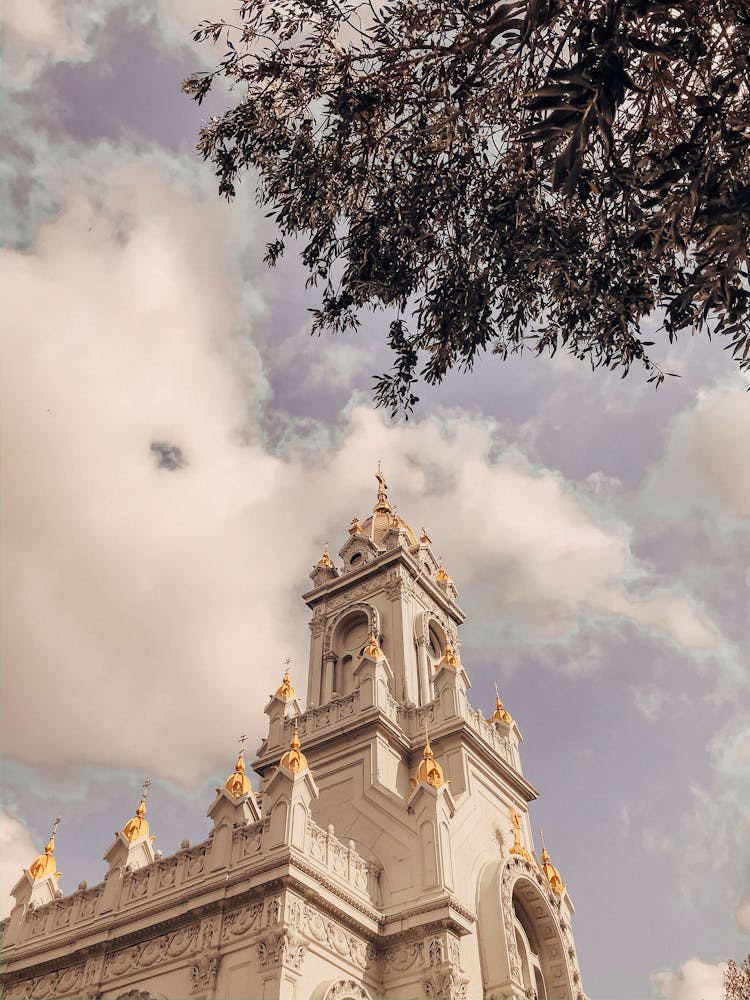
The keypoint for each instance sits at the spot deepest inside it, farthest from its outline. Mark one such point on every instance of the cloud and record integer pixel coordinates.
(39, 32)
(17, 851)
(695, 980)
(149, 604)
(704, 461)
(650, 700)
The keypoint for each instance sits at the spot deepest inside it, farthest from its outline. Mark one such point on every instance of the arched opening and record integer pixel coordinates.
(521, 941)
(436, 641)
(349, 639)
(543, 963)
(528, 946)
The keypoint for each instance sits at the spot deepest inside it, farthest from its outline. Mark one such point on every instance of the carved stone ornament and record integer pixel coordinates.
(336, 938)
(203, 974)
(282, 947)
(406, 956)
(346, 989)
(445, 985)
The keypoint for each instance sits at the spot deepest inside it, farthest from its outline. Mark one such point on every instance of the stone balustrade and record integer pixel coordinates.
(339, 862)
(342, 863)
(413, 720)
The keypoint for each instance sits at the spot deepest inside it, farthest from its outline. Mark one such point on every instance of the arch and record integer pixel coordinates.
(340, 989)
(369, 610)
(523, 934)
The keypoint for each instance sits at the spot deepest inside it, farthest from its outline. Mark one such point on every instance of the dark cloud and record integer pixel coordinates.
(168, 456)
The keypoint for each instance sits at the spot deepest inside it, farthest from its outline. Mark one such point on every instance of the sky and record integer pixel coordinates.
(177, 450)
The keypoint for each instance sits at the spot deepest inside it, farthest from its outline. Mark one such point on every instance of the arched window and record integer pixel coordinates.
(529, 952)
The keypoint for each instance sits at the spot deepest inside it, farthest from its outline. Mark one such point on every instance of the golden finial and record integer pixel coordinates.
(449, 658)
(238, 783)
(500, 714)
(294, 760)
(45, 864)
(137, 827)
(518, 847)
(325, 559)
(425, 539)
(286, 691)
(355, 527)
(429, 770)
(551, 873)
(372, 649)
(382, 501)
(441, 576)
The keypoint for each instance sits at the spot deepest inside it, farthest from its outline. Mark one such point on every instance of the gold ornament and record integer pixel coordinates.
(294, 760)
(45, 864)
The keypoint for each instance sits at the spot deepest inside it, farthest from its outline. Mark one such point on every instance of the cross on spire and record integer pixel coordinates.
(58, 821)
(146, 784)
(241, 742)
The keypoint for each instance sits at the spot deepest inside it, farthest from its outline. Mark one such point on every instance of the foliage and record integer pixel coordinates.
(737, 980)
(498, 173)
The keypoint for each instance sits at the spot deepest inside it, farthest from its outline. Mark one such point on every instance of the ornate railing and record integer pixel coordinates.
(342, 862)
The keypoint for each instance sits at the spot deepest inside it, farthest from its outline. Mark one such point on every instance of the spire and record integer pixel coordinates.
(238, 783)
(294, 760)
(325, 559)
(518, 847)
(425, 538)
(500, 714)
(137, 827)
(286, 692)
(45, 864)
(429, 770)
(382, 501)
(449, 658)
(551, 873)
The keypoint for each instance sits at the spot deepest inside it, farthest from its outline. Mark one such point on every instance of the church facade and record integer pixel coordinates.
(388, 851)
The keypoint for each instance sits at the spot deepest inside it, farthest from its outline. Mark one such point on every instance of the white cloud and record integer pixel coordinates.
(39, 32)
(695, 980)
(705, 458)
(147, 608)
(17, 851)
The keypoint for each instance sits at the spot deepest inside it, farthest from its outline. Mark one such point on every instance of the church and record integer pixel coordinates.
(387, 853)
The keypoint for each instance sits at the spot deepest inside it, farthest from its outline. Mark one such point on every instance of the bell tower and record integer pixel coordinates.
(389, 587)
(422, 786)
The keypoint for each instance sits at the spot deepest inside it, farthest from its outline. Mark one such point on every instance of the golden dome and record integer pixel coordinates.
(294, 760)
(137, 827)
(449, 658)
(383, 518)
(553, 875)
(286, 691)
(238, 784)
(518, 847)
(45, 864)
(325, 560)
(500, 714)
(429, 770)
(373, 649)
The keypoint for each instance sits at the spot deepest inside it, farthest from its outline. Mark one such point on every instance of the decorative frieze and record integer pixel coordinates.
(336, 938)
